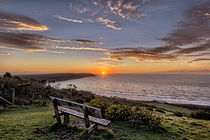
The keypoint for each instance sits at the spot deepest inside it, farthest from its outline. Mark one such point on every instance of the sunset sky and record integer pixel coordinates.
(116, 36)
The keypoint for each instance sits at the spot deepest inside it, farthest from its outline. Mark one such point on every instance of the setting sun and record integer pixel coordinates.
(103, 72)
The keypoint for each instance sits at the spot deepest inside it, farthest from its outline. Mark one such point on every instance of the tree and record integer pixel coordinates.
(7, 75)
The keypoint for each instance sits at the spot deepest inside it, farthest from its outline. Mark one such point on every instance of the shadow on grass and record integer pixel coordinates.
(59, 131)
(97, 134)
(64, 132)
(117, 130)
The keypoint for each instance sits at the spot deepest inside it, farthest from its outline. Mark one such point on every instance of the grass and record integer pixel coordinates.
(172, 108)
(21, 122)
(186, 128)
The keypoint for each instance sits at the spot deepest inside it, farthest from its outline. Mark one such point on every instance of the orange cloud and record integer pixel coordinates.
(6, 53)
(11, 21)
(199, 59)
(80, 48)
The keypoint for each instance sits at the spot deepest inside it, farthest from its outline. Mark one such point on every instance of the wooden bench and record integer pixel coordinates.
(88, 113)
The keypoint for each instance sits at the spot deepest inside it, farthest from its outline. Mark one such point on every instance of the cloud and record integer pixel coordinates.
(102, 11)
(107, 59)
(80, 48)
(21, 41)
(6, 53)
(109, 23)
(11, 21)
(193, 31)
(158, 53)
(34, 42)
(156, 50)
(26, 41)
(194, 28)
(199, 48)
(207, 15)
(126, 8)
(69, 19)
(82, 41)
(94, 9)
(199, 59)
(201, 54)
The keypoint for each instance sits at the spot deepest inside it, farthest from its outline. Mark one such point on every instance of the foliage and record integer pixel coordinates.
(7, 75)
(118, 112)
(160, 110)
(23, 84)
(178, 114)
(200, 114)
(37, 91)
(134, 114)
(171, 108)
(142, 116)
(100, 103)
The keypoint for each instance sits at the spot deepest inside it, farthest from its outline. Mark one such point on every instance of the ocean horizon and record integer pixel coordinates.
(170, 88)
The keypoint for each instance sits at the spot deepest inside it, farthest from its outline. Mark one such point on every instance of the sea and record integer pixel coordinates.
(171, 88)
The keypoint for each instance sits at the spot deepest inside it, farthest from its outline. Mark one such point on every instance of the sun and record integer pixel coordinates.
(103, 72)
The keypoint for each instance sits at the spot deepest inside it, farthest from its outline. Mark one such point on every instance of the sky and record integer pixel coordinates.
(115, 36)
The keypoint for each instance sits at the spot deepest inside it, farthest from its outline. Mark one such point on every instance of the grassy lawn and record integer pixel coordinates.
(172, 108)
(21, 122)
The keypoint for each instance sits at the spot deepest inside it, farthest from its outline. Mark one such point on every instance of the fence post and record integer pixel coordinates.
(32, 97)
(13, 96)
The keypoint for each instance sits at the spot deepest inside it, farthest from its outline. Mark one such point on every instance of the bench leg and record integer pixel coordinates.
(66, 118)
(55, 106)
(86, 118)
(91, 128)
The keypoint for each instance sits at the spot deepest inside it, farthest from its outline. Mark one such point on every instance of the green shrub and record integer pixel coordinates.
(141, 115)
(99, 103)
(178, 114)
(150, 108)
(118, 112)
(134, 114)
(112, 112)
(200, 114)
(160, 110)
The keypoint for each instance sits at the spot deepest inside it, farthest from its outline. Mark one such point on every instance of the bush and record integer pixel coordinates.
(200, 114)
(118, 112)
(134, 114)
(7, 75)
(160, 110)
(99, 103)
(144, 117)
(178, 114)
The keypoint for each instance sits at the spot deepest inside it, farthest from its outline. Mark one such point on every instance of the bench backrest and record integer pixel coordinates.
(92, 111)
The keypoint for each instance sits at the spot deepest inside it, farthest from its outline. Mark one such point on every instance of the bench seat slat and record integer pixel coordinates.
(81, 115)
